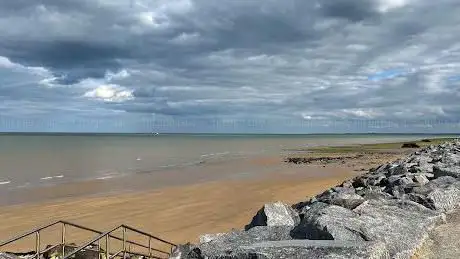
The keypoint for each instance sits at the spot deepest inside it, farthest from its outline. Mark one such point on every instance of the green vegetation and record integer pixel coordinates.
(381, 147)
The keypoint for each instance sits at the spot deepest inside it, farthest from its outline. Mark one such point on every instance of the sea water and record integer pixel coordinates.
(28, 160)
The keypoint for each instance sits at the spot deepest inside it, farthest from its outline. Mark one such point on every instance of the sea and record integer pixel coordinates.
(30, 160)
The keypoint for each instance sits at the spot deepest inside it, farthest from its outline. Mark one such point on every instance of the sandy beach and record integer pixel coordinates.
(212, 201)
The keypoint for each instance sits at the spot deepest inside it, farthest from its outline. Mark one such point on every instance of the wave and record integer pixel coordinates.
(52, 177)
(5, 182)
(203, 160)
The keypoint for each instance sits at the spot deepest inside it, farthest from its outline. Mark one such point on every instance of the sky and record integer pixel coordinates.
(271, 66)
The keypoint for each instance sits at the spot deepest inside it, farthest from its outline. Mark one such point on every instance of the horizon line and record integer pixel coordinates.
(215, 133)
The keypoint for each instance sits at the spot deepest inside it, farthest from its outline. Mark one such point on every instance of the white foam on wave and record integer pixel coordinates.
(215, 154)
(4, 182)
(105, 177)
(52, 177)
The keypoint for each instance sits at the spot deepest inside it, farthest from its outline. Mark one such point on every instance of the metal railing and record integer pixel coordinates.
(124, 252)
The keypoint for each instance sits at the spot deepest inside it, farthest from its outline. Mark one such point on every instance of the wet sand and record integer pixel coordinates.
(178, 206)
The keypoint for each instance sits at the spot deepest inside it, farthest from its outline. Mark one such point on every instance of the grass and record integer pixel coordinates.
(380, 147)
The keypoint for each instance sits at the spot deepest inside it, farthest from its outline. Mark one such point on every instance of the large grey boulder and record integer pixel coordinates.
(347, 200)
(275, 214)
(444, 241)
(301, 249)
(401, 225)
(187, 251)
(8, 256)
(374, 194)
(421, 179)
(444, 170)
(326, 222)
(441, 194)
(341, 196)
(230, 241)
(450, 158)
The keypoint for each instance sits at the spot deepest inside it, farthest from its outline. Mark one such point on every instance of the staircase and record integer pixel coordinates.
(105, 245)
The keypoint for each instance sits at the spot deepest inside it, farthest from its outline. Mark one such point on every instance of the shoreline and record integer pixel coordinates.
(178, 214)
(407, 208)
(212, 202)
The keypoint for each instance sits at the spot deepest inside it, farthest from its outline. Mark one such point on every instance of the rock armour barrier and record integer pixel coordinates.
(388, 212)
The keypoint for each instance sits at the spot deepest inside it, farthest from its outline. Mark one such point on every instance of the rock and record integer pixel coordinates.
(24, 255)
(421, 179)
(398, 170)
(425, 167)
(324, 222)
(376, 180)
(341, 196)
(393, 179)
(275, 214)
(425, 140)
(444, 241)
(347, 200)
(209, 237)
(441, 194)
(347, 184)
(359, 182)
(8, 256)
(233, 240)
(401, 225)
(405, 181)
(187, 251)
(317, 205)
(301, 249)
(440, 171)
(450, 158)
(410, 145)
(372, 194)
(398, 191)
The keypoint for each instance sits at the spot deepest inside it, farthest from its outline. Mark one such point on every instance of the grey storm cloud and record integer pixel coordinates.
(270, 59)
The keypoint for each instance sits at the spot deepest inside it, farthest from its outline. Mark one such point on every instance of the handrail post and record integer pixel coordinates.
(150, 247)
(37, 244)
(107, 253)
(99, 249)
(63, 240)
(124, 242)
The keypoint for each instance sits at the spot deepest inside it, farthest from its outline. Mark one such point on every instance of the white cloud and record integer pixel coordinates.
(6, 63)
(152, 19)
(363, 113)
(122, 74)
(387, 5)
(186, 38)
(110, 93)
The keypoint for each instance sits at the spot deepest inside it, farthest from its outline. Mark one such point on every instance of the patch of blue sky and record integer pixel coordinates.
(453, 78)
(387, 74)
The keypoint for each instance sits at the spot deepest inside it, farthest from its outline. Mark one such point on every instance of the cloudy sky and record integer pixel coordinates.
(230, 65)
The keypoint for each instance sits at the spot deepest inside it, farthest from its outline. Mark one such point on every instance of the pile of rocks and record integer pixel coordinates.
(385, 213)
(309, 160)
